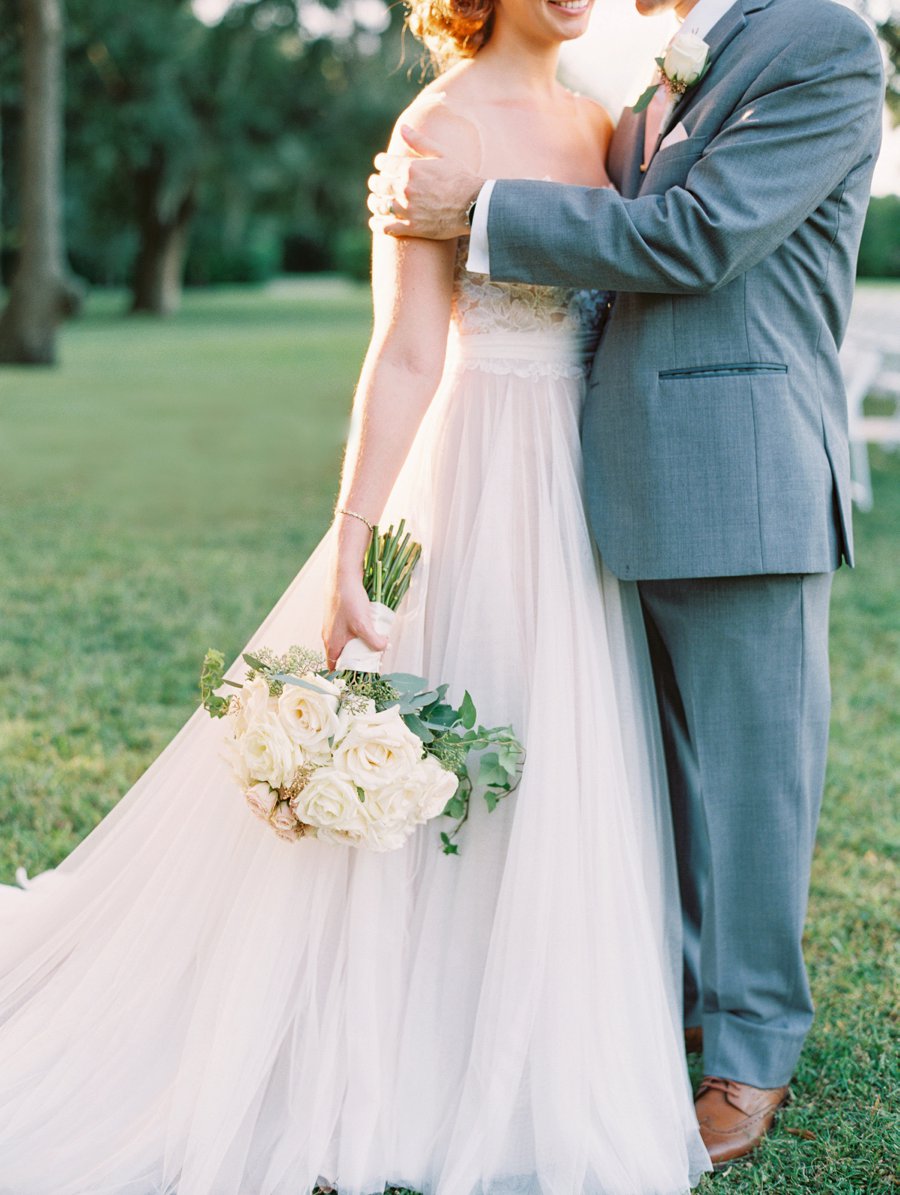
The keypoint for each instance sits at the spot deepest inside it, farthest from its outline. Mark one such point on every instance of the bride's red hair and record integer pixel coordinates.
(451, 29)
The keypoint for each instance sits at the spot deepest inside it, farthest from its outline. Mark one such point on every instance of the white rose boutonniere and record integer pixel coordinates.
(684, 64)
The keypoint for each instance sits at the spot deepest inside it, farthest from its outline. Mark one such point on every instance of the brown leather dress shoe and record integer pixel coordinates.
(735, 1117)
(693, 1039)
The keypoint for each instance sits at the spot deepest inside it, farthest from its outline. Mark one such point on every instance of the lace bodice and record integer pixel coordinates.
(519, 327)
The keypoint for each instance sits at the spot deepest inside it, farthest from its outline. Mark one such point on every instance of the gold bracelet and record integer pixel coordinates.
(353, 515)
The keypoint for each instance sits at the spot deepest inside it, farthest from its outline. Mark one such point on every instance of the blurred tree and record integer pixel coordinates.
(137, 138)
(884, 16)
(42, 293)
(216, 143)
(879, 252)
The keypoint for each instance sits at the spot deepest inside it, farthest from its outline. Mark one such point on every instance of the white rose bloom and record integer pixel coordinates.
(284, 823)
(232, 754)
(347, 716)
(340, 837)
(262, 800)
(380, 837)
(436, 786)
(393, 805)
(686, 58)
(268, 753)
(310, 718)
(330, 802)
(254, 703)
(378, 750)
(373, 837)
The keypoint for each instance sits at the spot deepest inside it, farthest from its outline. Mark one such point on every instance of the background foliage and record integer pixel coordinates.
(266, 127)
(263, 125)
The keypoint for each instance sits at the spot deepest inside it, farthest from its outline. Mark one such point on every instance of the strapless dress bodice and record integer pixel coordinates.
(524, 328)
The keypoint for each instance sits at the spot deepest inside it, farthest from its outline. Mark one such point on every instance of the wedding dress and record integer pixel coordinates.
(191, 1006)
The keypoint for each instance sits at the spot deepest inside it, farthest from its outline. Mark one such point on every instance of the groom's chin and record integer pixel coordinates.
(650, 8)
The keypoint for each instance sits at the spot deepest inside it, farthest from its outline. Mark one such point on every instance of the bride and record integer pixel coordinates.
(191, 1006)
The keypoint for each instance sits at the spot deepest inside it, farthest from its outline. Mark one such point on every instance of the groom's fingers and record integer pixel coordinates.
(390, 164)
(380, 185)
(389, 226)
(387, 207)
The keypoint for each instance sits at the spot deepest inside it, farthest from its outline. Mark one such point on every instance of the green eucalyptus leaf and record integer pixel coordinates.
(418, 727)
(287, 679)
(439, 717)
(254, 663)
(405, 682)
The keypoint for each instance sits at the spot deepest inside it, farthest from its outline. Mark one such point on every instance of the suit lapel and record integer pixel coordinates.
(721, 35)
(626, 151)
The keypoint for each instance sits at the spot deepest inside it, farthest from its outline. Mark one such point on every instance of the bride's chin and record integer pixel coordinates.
(570, 17)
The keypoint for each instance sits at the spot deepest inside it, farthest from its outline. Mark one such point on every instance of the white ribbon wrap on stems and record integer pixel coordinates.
(357, 656)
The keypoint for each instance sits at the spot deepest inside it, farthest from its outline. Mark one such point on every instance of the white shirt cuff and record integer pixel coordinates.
(479, 259)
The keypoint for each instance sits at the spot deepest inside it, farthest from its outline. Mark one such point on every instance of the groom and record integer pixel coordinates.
(715, 446)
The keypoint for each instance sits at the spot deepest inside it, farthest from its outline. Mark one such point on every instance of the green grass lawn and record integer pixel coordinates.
(157, 493)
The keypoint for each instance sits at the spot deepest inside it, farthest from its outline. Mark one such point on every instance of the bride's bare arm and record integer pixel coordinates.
(412, 282)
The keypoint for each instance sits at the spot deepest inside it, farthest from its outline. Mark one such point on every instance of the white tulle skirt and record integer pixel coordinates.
(190, 1005)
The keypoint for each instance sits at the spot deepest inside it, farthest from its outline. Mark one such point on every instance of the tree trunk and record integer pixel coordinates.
(164, 230)
(42, 293)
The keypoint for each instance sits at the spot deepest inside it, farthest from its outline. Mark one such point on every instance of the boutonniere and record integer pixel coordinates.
(685, 63)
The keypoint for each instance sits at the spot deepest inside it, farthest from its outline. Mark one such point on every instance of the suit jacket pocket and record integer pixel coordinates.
(735, 369)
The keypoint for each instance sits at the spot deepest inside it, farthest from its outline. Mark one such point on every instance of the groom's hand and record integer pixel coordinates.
(425, 194)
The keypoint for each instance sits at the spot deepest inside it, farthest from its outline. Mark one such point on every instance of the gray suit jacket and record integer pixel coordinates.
(715, 433)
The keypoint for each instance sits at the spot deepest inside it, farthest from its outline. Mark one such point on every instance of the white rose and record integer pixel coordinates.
(329, 801)
(284, 823)
(392, 805)
(436, 786)
(418, 797)
(310, 718)
(378, 750)
(268, 753)
(340, 837)
(365, 706)
(231, 752)
(385, 837)
(372, 836)
(254, 703)
(262, 800)
(686, 58)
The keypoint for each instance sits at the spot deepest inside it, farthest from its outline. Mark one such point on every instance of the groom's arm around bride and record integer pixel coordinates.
(717, 471)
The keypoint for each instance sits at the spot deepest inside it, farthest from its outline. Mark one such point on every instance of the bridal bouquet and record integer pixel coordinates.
(350, 755)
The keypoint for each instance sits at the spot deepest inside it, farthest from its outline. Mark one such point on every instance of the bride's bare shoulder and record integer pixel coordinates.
(596, 116)
(442, 111)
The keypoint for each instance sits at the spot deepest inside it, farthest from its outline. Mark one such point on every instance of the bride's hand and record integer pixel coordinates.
(348, 616)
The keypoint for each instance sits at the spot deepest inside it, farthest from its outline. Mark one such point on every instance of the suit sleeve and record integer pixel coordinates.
(811, 117)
